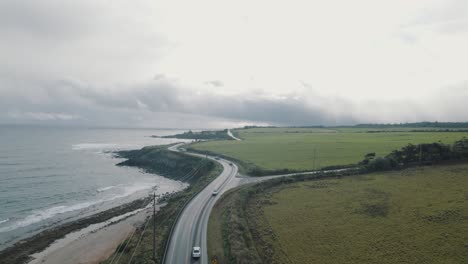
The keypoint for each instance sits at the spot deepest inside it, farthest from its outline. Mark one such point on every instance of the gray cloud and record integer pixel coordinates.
(49, 18)
(449, 18)
(87, 40)
(163, 102)
(53, 101)
(215, 83)
(80, 62)
(41, 116)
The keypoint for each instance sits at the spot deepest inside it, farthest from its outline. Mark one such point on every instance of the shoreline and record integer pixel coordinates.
(95, 243)
(91, 239)
(52, 240)
(25, 250)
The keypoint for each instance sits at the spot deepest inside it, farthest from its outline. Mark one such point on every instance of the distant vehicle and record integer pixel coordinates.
(214, 193)
(196, 252)
(230, 163)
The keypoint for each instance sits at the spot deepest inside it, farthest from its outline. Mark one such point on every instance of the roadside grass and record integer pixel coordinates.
(418, 215)
(215, 236)
(297, 148)
(229, 239)
(141, 252)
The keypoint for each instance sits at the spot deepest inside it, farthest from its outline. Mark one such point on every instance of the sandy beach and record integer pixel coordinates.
(94, 243)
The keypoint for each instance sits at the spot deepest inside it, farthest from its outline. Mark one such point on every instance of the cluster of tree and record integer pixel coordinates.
(417, 154)
(420, 130)
(203, 135)
(436, 124)
(250, 127)
(418, 124)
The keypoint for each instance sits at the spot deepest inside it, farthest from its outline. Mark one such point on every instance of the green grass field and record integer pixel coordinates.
(295, 148)
(418, 215)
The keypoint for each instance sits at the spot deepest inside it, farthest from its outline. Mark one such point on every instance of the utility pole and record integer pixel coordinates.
(420, 154)
(154, 226)
(315, 152)
(318, 160)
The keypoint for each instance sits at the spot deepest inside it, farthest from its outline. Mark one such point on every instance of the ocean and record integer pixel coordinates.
(51, 175)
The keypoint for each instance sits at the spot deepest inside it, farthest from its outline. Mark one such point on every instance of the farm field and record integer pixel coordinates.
(418, 215)
(297, 148)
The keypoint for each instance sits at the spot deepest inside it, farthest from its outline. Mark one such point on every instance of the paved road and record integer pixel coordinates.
(233, 137)
(191, 228)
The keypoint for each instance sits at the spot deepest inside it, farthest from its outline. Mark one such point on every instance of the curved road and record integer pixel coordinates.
(231, 135)
(191, 227)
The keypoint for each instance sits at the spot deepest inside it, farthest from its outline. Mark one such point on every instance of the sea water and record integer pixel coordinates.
(51, 175)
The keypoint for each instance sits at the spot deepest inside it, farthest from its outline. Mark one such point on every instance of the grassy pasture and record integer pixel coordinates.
(417, 215)
(295, 148)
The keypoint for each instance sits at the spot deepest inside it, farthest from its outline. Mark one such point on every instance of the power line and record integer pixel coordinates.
(118, 249)
(195, 173)
(315, 152)
(191, 175)
(123, 250)
(184, 176)
(154, 226)
(139, 240)
(120, 246)
(188, 176)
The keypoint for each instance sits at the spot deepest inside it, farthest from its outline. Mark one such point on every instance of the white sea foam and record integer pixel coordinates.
(4, 220)
(104, 146)
(103, 189)
(84, 146)
(42, 215)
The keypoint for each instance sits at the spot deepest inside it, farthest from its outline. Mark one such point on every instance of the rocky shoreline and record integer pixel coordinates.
(21, 251)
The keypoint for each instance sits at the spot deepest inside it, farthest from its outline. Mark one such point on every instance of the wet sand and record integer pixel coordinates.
(95, 243)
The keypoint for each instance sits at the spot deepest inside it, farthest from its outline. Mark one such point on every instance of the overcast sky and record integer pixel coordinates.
(206, 64)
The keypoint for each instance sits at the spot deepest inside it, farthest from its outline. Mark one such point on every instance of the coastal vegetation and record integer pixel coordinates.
(155, 159)
(199, 173)
(417, 154)
(203, 135)
(272, 150)
(414, 215)
(426, 125)
(159, 160)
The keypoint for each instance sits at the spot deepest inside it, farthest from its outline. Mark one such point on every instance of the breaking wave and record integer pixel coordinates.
(84, 146)
(42, 215)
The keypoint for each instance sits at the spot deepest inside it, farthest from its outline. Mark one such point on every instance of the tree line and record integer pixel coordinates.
(427, 153)
(417, 124)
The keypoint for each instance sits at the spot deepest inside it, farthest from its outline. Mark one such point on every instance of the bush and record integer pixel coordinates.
(417, 154)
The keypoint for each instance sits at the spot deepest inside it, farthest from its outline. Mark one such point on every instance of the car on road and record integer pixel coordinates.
(214, 193)
(230, 163)
(196, 253)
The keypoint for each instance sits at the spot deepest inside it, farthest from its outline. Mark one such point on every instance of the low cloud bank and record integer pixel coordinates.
(165, 103)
